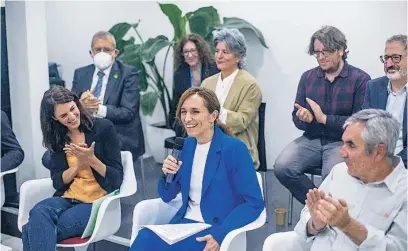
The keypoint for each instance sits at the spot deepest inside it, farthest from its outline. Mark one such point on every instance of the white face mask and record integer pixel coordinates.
(102, 60)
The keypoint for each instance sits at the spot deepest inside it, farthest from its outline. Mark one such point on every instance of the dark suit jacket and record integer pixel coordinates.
(11, 153)
(376, 97)
(122, 99)
(182, 82)
(231, 196)
(107, 150)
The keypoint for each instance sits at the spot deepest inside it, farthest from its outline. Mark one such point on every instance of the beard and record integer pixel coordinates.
(401, 73)
(333, 69)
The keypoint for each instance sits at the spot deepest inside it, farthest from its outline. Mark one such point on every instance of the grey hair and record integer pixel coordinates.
(332, 38)
(103, 35)
(235, 41)
(380, 128)
(399, 38)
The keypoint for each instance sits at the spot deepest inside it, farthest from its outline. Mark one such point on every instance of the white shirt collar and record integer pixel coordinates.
(228, 79)
(106, 71)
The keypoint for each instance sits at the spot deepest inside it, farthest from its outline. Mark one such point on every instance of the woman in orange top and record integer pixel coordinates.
(85, 164)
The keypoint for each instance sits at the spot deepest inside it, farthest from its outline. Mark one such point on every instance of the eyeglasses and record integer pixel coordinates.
(325, 53)
(104, 49)
(396, 58)
(192, 51)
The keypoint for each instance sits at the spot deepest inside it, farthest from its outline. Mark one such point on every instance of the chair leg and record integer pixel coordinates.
(82, 248)
(290, 209)
(143, 177)
(265, 191)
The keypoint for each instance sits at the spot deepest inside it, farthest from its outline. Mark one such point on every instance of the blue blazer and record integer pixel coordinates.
(376, 97)
(231, 196)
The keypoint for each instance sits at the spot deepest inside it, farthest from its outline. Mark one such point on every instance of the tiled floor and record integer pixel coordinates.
(277, 197)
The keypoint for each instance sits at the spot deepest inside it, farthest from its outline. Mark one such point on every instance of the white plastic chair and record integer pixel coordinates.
(109, 215)
(2, 183)
(156, 212)
(286, 241)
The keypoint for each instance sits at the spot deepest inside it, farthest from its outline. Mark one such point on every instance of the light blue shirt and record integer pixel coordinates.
(396, 106)
(380, 206)
(192, 78)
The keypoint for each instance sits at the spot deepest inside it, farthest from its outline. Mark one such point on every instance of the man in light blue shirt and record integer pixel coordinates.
(390, 92)
(362, 204)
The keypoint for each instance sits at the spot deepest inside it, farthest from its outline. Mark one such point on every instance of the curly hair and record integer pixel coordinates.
(203, 49)
(55, 135)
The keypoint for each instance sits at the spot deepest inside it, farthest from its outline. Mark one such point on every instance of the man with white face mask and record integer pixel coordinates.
(390, 92)
(110, 89)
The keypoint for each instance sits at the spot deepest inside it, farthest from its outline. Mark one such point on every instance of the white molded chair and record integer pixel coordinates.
(156, 212)
(286, 241)
(109, 215)
(3, 194)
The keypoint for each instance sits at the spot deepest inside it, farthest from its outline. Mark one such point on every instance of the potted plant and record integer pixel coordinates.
(141, 53)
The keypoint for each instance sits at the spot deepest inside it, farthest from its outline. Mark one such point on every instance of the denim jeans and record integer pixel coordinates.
(301, 155)
(53, 220)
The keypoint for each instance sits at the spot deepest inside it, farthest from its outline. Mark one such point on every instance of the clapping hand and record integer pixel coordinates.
(317, 111)
(81, 151)
(312, 202)
(333, 212)
(89, 101)
(303, 114)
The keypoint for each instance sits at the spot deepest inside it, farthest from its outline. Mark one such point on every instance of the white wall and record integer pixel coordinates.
(287, 27)
(28, 74)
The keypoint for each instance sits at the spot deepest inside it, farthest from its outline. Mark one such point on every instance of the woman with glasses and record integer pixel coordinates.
(237, 90)
(193, 63)
(84, 163)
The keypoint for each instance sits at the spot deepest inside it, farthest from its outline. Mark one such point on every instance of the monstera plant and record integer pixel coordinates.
(141, 53)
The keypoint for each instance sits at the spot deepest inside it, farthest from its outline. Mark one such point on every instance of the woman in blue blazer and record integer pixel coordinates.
(193, 62)
(84, 162)
(215, 176)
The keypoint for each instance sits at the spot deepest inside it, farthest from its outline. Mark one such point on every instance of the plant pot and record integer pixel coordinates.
(155, 136)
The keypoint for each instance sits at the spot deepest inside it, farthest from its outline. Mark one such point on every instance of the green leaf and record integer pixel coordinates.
(132, 56)
(203, 20)
(174, 14)
(148, 102)
(152, 46)
(119, 30)
(121, 44)
(234, 22)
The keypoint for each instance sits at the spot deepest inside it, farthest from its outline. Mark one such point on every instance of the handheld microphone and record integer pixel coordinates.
(178, 145)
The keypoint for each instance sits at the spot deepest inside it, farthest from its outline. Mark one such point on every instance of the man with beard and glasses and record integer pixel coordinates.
(390, 92)
(327, 95)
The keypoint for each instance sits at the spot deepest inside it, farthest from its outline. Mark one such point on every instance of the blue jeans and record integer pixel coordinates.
(301, 155)
(53, 220)
(147, 240)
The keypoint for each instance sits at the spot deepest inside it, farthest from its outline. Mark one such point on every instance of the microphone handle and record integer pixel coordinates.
(169, 177)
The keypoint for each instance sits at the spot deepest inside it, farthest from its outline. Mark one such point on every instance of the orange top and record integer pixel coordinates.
(84, 187)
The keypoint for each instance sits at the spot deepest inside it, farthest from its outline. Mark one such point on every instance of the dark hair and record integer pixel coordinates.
(210, 102)
(203, 49)
(55, 135)
(332, 38)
